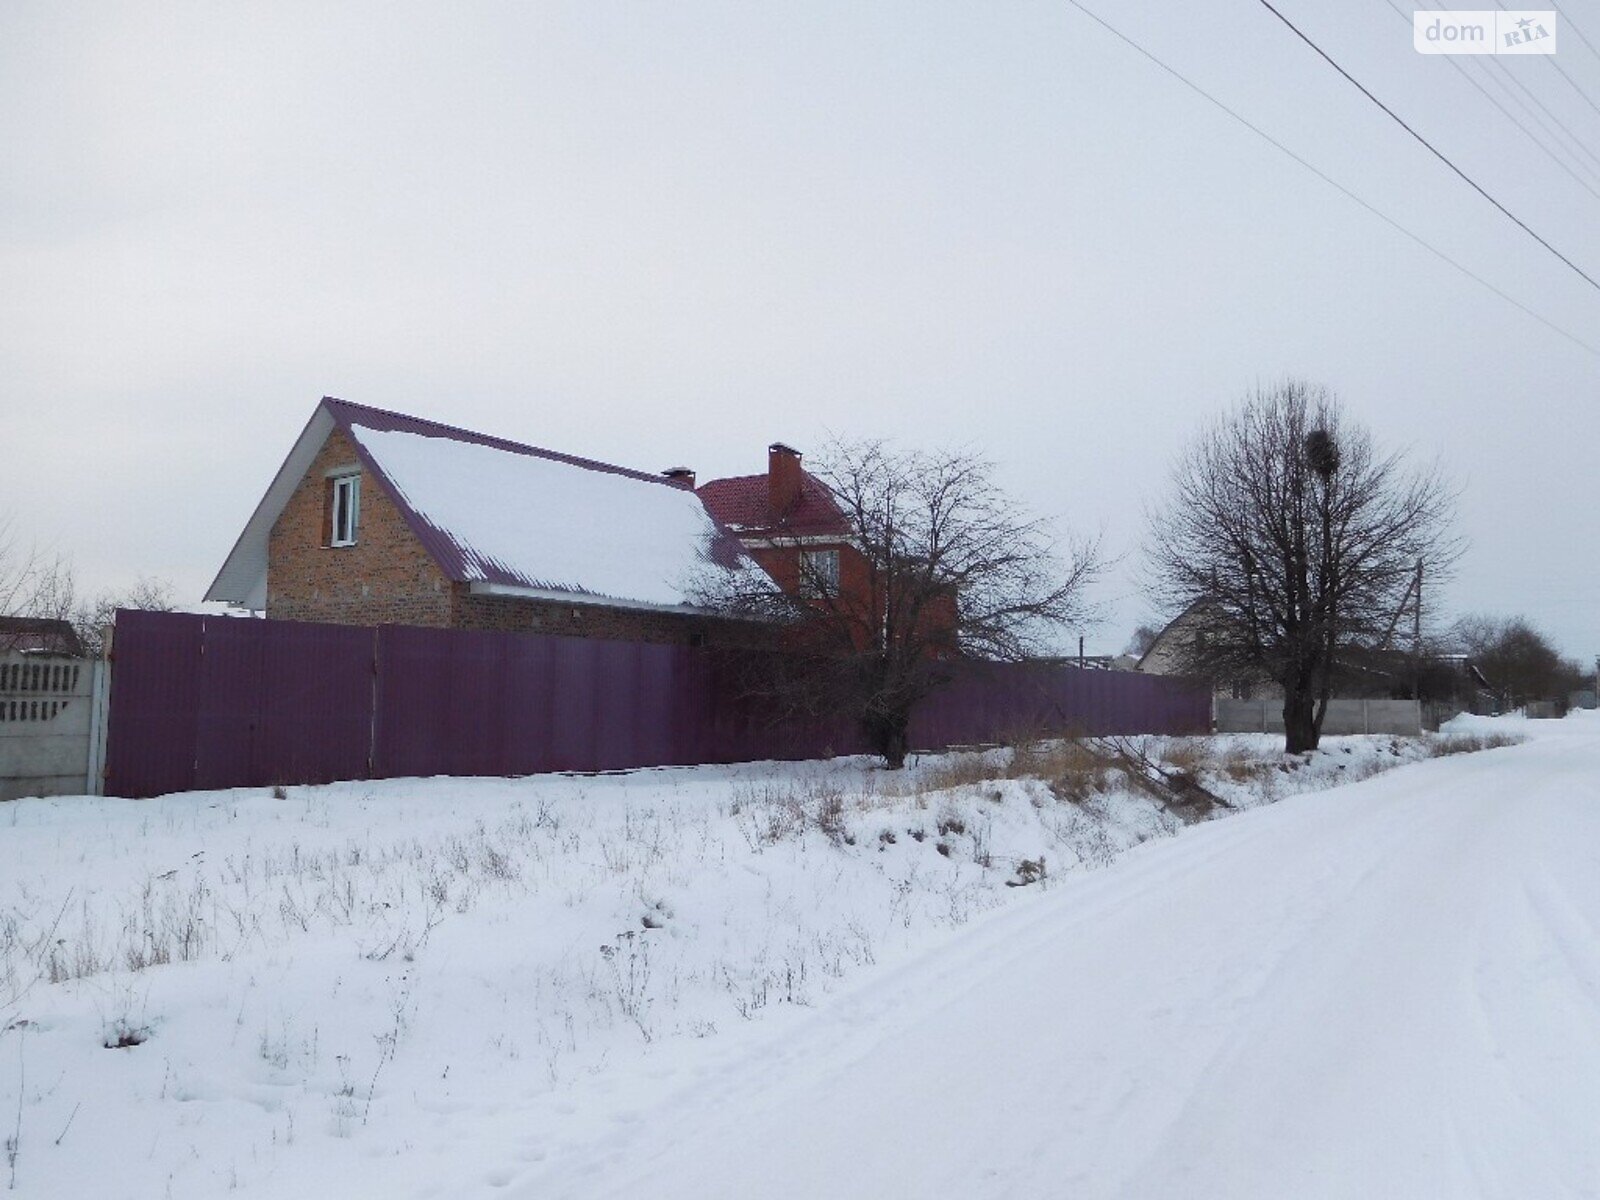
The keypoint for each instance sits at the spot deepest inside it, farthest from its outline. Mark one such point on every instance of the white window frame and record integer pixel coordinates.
(817, 582)
(348, 487)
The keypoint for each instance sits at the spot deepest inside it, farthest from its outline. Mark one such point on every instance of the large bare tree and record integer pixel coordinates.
(1295, 541)
(939, 566)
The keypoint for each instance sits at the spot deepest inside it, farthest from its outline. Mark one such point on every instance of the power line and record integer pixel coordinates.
(1551, 59)
(1467, 179)
(1330, 181)
(1572, 25)
(1587, 99)
(1509, 115)
(1506, 78)
(1494, 64)
(1549, 123)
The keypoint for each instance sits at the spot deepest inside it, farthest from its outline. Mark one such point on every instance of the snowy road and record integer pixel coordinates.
(1391, 990)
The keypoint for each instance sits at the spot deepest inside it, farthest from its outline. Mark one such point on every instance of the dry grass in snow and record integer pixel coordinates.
(422, 987)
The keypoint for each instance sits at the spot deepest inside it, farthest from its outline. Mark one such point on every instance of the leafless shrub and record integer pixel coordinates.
(1239, 765)
(1470, 743)
(1189, 755)
(1029, 871)
(628, 962)
(829, 813)
(772, 813)
(957, 771)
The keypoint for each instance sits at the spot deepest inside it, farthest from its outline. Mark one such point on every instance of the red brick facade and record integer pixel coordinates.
(856, 588)
(516, 615)
(388, 578)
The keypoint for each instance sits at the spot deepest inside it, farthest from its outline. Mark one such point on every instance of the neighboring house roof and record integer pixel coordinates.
(1161, 656)
(39, 635)
(1165, 657)
(505, 517)
(743, 504)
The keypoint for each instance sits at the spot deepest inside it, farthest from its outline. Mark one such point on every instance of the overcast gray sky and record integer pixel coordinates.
(661, 233)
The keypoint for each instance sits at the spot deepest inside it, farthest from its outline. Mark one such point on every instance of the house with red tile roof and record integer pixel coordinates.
(789, 522)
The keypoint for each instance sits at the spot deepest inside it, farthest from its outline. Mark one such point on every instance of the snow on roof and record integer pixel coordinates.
(526, 520)
(500, 515)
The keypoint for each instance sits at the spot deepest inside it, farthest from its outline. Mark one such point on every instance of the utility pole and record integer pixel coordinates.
(1416, 636)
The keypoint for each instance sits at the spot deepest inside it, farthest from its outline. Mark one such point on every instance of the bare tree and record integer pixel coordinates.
(1296, 541)
(1518, 661)
(24, 573)
(938, 565)
(34, 584)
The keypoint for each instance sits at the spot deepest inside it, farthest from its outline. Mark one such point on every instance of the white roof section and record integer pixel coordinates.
(550, 525)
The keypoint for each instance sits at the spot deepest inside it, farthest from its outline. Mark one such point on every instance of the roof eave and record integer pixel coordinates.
(511, 591)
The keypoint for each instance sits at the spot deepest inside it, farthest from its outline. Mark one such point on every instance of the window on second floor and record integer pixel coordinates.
(819, 572)
(344, 510)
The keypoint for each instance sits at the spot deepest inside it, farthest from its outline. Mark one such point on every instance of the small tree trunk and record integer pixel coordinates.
(889, 736)
(1300, 721)
(896, 748)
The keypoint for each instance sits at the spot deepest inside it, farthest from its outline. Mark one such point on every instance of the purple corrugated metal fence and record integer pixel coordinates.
(211, 702)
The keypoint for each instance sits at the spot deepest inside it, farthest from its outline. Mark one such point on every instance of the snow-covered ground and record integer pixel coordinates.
(786, 980)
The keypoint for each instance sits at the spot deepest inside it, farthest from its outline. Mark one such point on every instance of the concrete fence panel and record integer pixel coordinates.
(1399, 717)
(51, 728)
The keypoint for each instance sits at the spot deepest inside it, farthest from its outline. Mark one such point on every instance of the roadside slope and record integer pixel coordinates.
(1390, 989)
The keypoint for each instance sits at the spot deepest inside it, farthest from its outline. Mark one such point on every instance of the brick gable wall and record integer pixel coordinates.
(514, 615)
(386, 578)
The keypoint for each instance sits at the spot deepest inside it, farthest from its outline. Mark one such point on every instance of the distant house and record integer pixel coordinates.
(1361, 672)
(380, 518)
(39, 635)
(1184, 637)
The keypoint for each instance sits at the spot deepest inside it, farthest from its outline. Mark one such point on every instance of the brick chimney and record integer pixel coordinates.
(682, 476)
(783, 478)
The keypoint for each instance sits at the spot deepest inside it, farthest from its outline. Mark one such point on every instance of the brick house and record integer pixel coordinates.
(380, 518)
(788, 521)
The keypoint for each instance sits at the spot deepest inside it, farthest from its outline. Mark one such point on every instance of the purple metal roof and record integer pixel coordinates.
(346, 413)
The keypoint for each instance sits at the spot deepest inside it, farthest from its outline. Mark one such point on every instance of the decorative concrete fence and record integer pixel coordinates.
(1402, 717)
(52, 725)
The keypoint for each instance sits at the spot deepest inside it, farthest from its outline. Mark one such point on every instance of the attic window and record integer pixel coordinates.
(344, 500)
(819, 572)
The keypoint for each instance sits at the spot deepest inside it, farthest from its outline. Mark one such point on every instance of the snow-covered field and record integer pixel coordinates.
(557, 985)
